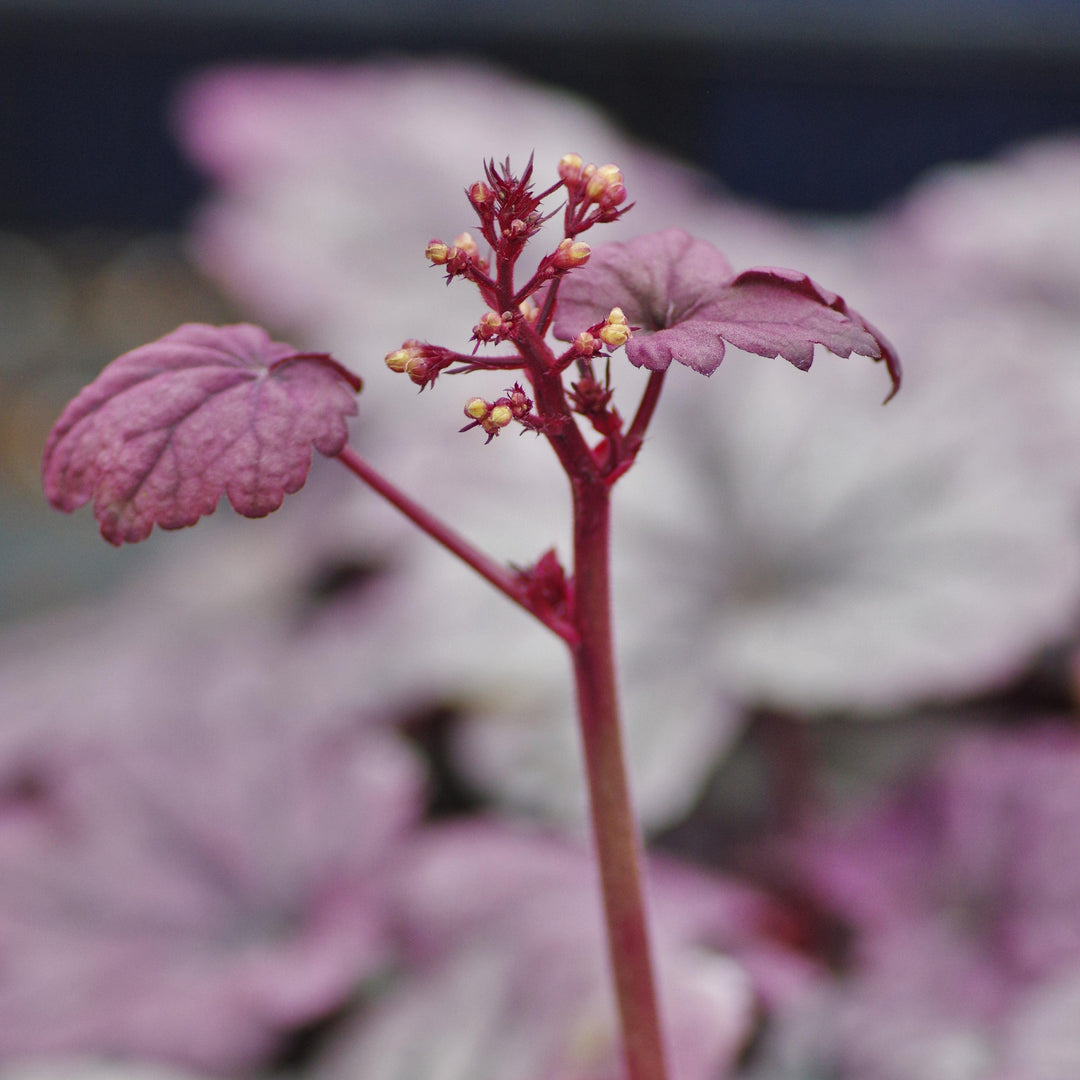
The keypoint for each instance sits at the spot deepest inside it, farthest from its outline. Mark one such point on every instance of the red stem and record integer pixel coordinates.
(508, 583)
(635, 434)
(615, 831)
(616, 835)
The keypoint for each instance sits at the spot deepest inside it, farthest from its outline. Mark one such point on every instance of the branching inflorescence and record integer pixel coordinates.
(170, 427)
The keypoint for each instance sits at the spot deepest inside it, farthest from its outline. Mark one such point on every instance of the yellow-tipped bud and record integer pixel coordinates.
(397, 359)
(585, 343)
(480, 193)
(466, 243)
(614, 334)
(477, 408)
(615, 331)
(571, 253)
(500, 416)
(605, 177)
(437, 252)
(570, 167)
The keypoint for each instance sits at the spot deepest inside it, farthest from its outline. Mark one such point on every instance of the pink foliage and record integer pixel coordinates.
(688, 302)
(169, 427)
(189, 860)
(963, 895)
(505, 974)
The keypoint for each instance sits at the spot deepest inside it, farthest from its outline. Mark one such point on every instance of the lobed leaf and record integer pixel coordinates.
(168, 428)
(686, 300)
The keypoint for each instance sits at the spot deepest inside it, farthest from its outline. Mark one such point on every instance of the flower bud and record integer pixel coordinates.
(500, 416)
(528, 310)
(614, 195)
(399, 359)
(614, 334)
(477, 408)
(492, 326)
(480, 195)
(437, 252)
(517, 400)
(585, 344)
(605, 178)
(570, 168)
(615, 331)
(570, 254)
(467, 244)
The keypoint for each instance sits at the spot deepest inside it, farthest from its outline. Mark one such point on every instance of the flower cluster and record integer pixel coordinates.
(493, 416)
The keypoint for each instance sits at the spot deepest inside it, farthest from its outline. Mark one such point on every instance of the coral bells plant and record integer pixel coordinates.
(170, 427)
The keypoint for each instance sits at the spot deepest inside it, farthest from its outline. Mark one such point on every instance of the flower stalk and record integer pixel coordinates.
(582, 617)
(616, 835)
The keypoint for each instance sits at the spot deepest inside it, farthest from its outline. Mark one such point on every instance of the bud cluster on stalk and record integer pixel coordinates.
(493, 416)
(420, 361)
(509, 214)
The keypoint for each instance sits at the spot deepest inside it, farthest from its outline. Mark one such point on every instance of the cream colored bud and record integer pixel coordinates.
(397, 359)
(437, 252)
(615, 315)
(479, 193)
(585, 343)
(500, 416)
(615, 334)
(571, 253)
(570, 167)
(604, 177)
(477, 408)
(466, 243)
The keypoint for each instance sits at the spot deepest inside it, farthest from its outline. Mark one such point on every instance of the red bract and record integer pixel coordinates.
(687, 301)
(168, 428)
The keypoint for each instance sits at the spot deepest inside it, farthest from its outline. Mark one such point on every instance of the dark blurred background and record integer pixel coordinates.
(831, 106)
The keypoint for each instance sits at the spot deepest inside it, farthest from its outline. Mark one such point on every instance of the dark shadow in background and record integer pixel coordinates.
(791, 117)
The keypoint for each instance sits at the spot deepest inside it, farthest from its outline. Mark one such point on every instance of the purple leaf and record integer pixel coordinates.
(683, 295)
(167, 428)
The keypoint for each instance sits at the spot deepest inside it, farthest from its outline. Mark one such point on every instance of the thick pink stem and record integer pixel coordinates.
(615, 831)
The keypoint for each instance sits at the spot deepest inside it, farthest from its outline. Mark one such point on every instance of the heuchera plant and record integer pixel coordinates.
(168, 428)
